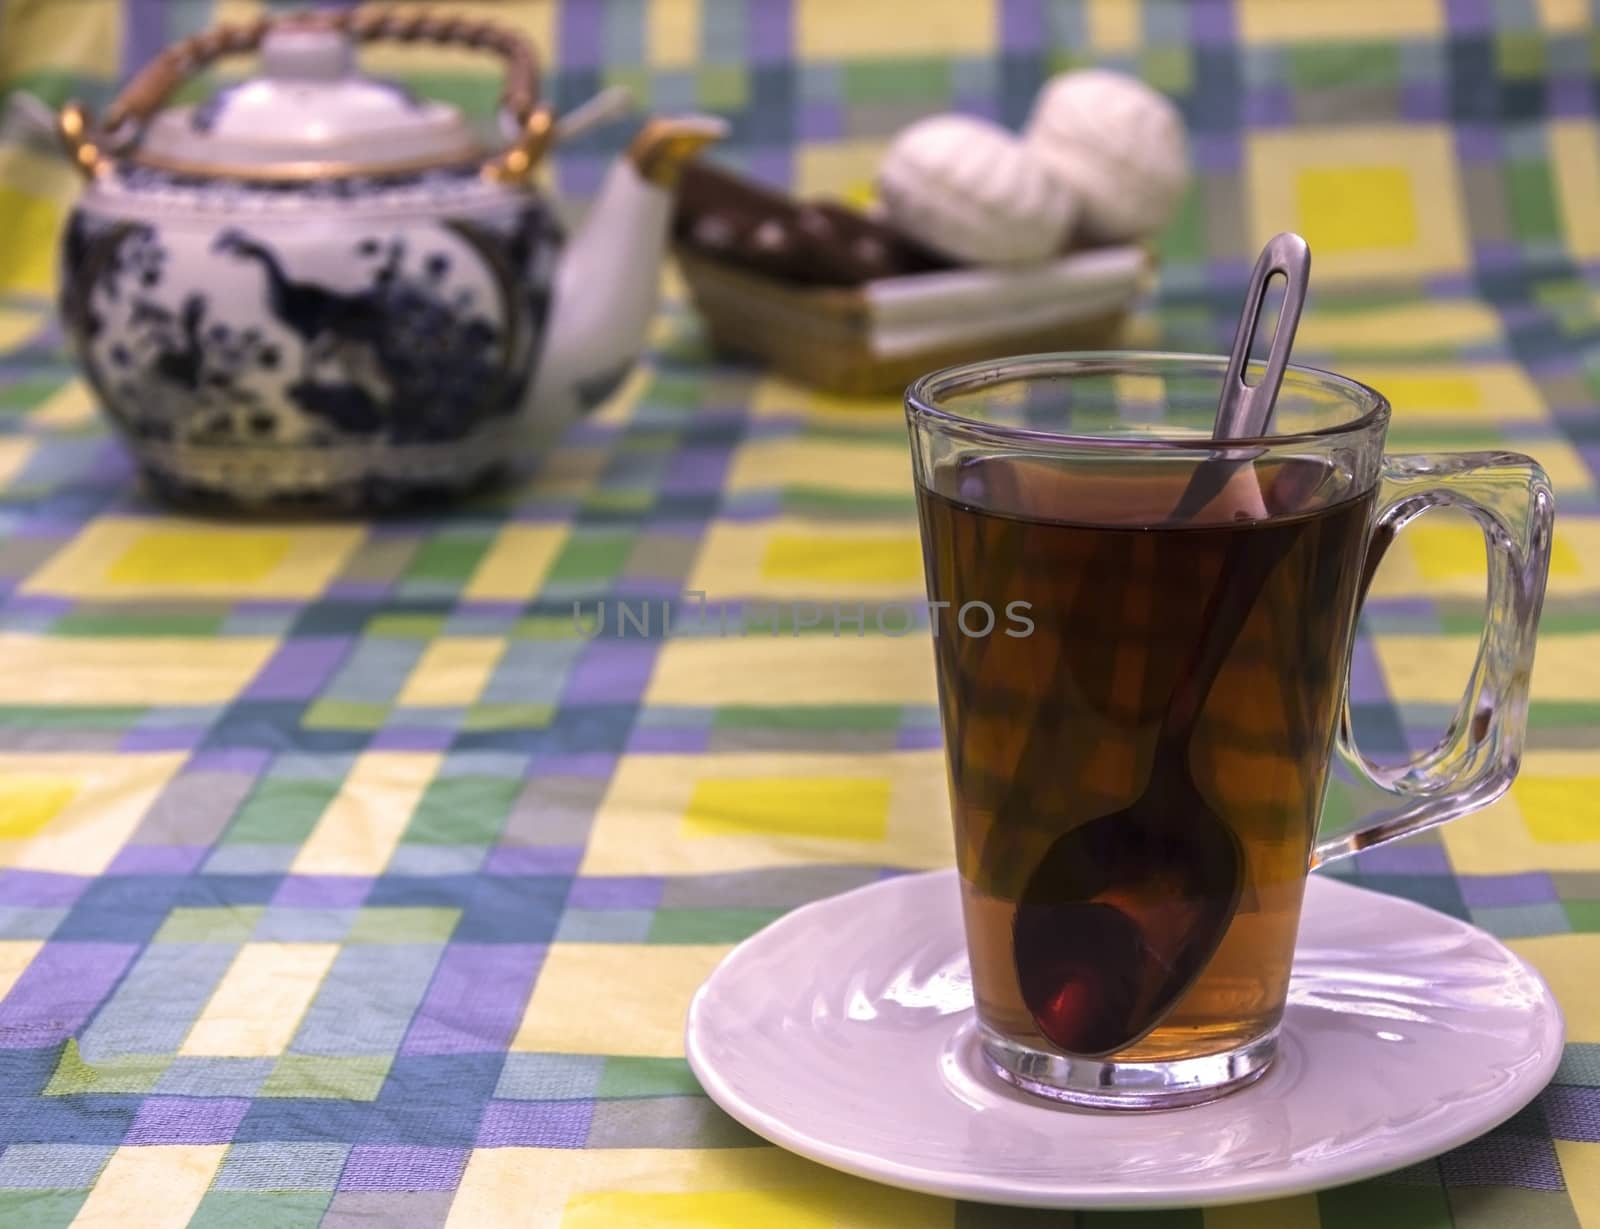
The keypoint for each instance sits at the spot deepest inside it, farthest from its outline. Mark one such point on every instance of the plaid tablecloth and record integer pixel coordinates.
(343, 884)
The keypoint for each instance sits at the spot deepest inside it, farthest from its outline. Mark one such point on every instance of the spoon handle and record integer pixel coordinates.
(1245, 410)
(1246, 568)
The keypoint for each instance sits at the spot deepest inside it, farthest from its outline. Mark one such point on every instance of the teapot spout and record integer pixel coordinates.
(606, 284)
(663, 146)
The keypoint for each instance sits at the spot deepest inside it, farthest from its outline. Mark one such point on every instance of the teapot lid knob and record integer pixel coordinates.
(307, 54)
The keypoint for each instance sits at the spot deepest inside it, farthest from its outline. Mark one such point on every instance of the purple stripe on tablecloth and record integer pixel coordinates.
(402, 1167)
(770, 31)
(533, 860)
(1211, 23)
(40, 524)
(37, 604)
(1406, 859)
(267, 606)
(611, 671)
(40, 888)
(300, 669)
(1423, 101)
(1268, 106)
(158, 859)
(535, 1124)
(1492, 891)
(1469, 15)
(171, 738)
(187, 1120)
(1511, 1157)
(773, 166)
(1497, 254)
(595, 764)
(589, 431)
(1217, 151)
(412, 738)
(1023, 26)
(1478, 143)
(1522, 316)
(919, 738)
(820, 120)
(322, 891)
(59, 991)
(580, 174)
(1367, 684)
(486, 609)
(144, 33)
(696, 470)
(985, 106)
(1449, 286)
(651, 589)
(1572, 1112)
(109, 466)
(476, 999)
(754, 506)
(616, 892)
(1396, 607)
(246, 760)
(1229, 271)
(1569, 98)
(681, 740)
(415, 532)
(581, 35)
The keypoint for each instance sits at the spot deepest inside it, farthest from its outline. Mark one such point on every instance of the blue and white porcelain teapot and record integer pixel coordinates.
(315, 288)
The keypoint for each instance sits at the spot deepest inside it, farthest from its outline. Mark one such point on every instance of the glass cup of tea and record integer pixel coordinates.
(1140, 752)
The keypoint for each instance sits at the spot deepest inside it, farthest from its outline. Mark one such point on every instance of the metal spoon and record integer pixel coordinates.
(1124, 912)
(1244, 411)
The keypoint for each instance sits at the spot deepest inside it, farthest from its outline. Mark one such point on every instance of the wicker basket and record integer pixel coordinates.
(823, 336)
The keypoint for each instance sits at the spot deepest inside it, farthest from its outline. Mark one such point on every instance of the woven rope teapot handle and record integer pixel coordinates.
(90, 146)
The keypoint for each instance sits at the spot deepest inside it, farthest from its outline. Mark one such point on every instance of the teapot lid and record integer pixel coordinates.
(310, 113)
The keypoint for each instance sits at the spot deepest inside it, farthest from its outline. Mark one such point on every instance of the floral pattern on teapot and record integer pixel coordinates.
(415, 332)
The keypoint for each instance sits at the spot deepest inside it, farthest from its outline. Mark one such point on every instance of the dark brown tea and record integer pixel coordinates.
(1050, 729)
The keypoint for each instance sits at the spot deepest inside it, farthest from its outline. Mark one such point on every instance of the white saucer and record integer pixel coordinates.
(844, 1032)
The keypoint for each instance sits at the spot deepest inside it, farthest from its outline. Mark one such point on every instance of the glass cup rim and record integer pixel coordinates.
(922, 394)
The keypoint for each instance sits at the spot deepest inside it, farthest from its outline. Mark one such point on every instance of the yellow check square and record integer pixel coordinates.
(865, 468)
(35, 191)
(763, 669)
(1271, 21)
(1408, 326)
(129, 558)
(1545, 820)
(1372, 200)
(1434, 669)
(831, 29)
(833, 808)
(127, 670)
(73, 813)
(703, 814)
(1454, 392)
(614, 998)
(84, 37)
(1575, 164)
(814, 561)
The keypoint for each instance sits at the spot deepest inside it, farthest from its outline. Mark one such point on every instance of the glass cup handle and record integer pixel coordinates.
(1474, 762)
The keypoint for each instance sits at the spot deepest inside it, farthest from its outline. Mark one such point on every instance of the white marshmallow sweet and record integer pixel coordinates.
(969, 189)
(1118, 144)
